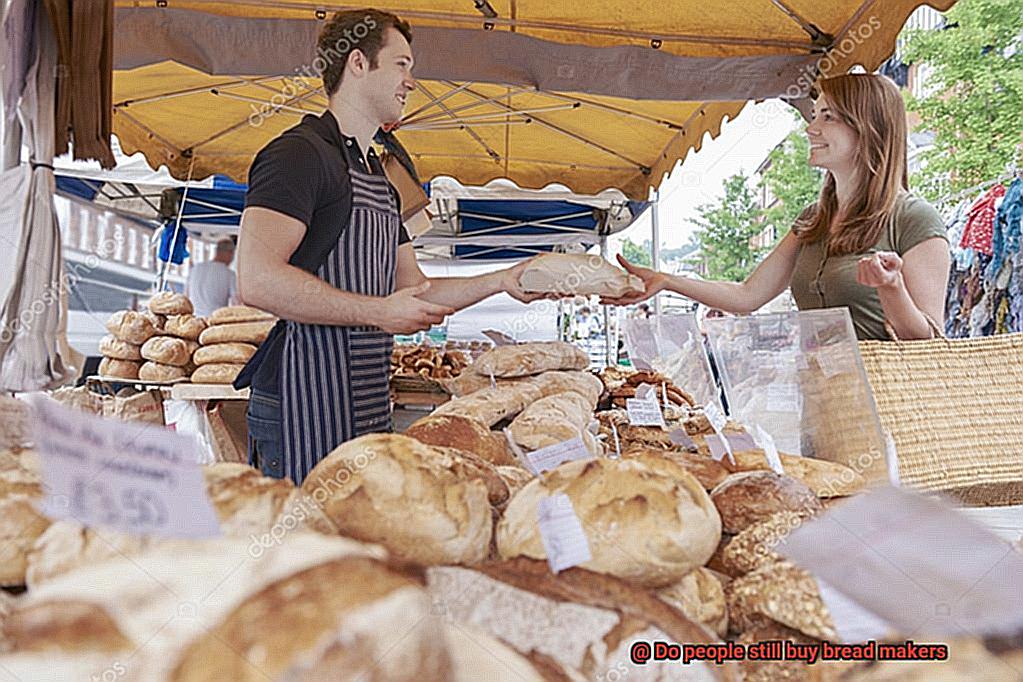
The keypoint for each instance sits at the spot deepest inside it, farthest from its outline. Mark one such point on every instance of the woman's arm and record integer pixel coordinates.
(910, 286)
(769, 279)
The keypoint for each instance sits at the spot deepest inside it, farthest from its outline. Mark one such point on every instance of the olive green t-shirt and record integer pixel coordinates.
(821, 281)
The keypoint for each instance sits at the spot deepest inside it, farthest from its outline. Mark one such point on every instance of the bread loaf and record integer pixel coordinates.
(238, 313)
(238, 332)
(217, 373)
(367, 485)
(553, 420)
(16, 423)
(112, 347)
(746, 498)
(224, 353)
(463, 433)
(754, 546)
(158, 372)
(782, 593)
(572, 274)
(647, 520)
(824, 478)
(185, 326)
(530, 358)
(166, 350)
(708, 472)
(119, 369)
(20, 523)
(583, 383)
(170, 303)
(130, 326)
(701, 597)
(491, 405)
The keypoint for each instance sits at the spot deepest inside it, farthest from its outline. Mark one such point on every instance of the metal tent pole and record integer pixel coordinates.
(610, 345)
(655, 244)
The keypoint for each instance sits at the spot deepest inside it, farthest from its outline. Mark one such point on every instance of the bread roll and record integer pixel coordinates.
(130, 326)
(824, 478)
(577, 274)
(218, 373)
(119, 369)
(782, 593)
(530, 358)
(166, 350)
(239, 313)
(464, 434)
(647, 520)
(224, 353)
(701, 597)
(157, 372)
(239, 332)
(112, 347)
(185, 326)
(746, 498)
(170, 303)
(367, 486)
(159, 321)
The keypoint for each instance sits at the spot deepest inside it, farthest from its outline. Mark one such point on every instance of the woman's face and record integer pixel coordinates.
(832, 141)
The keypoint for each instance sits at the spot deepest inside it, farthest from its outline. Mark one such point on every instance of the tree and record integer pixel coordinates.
(792, 180)
(974, 103)
(726, 228)
(634, 253)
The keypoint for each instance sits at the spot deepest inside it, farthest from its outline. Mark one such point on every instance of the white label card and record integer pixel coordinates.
(766, 441)
(644, 412)
(561, 533)
(832, 361)
(680, 437)
(128, 476)
(552, 456)
(714, 416)
(719, 447)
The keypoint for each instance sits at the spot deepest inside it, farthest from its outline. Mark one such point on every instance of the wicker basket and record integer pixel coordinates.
(955, 411)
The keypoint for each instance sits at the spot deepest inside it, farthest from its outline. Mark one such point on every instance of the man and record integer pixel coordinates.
(323, 247)
(211, 284)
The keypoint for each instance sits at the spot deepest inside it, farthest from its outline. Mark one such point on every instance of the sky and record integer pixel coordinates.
(741, 147)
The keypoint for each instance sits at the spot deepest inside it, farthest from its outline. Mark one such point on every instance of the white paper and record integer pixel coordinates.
(646, 392)
(741, 441)
(128, 476)
(915, 562)
(618, 442)
(770, 450)
(561, 533)
(516, 450)
(493, 381)
(719, 447)
(832, 360)
(552, 456)
(714, 416)
(892, 459)
(680, 437)
(853, 623)
(644, 412)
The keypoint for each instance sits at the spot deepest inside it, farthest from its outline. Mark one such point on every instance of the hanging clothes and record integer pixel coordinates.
(979, 231)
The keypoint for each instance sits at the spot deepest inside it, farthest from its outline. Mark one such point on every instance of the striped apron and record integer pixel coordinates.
(334, 380)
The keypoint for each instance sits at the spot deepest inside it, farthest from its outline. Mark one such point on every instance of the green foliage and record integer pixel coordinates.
(726, 228)
(975, 99)
(634, 253)
(793, 181)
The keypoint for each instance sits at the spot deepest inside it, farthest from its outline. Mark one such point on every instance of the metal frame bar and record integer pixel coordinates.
(471, 105)
(491, 152)
(483, 117)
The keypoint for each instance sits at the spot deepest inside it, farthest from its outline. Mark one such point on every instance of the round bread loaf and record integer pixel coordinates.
(464, 433)
(754, 547)
(217, 373)
(231, 353)
(701, 597)
(749, 497)
(167, 350)
(368, 485)
(185, 326)
(647, 519)
(130, 326)
(170, 303)
(119, 369)
(112, 347)
(238, 313)
(155, 371)
(779, 592)
(238, 332)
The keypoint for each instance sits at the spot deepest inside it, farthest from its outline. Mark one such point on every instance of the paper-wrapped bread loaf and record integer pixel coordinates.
(530, 358)
(572, 274)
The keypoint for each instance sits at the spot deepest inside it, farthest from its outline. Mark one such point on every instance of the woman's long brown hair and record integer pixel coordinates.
(873, 107)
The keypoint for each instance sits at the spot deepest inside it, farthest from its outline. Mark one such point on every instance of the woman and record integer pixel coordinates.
(867, 243)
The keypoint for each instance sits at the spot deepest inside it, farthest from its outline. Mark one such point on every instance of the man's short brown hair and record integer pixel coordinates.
(361, 29)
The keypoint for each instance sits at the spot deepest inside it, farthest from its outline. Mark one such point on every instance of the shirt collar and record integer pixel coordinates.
(326, 126)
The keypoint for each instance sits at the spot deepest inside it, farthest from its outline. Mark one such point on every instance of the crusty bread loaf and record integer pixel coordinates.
(463, 433)
(156, 371)
(16, 423)
(553, 420)
(701, 597)
(367, 485)
(647, 520)
(170, 303)
(708, 472)
(239, 313)
(826, 479)
(530, 358)
(238, 332)
(184, 326)
(745, 498)
(583, 383)
(119, 369)
(20, 523)
(491, 405)
(771, 671)
(515, 477)
(166, 350)
(131, 326)
(217, 373)
(782, 593)
(112, 347)
(224, 353)
(754, 546)
(577, 274)
(476, 656)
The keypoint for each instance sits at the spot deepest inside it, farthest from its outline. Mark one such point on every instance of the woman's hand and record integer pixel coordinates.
(882, 270)
(653, 282)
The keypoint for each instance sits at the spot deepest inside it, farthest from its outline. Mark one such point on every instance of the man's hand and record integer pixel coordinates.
(403, 313)
(882, 270)
(509, 282)
(653, 282)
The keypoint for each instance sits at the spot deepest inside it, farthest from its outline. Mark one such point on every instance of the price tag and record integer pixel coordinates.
(714, 416)
(680, 437)
(128, 476)
(561, 533)
(618, 443)
(831, 361)
(719, 447)
(664, 395)
(553, 456)
(644, 412)
(741, 441)
(770, 450)
(499, 338)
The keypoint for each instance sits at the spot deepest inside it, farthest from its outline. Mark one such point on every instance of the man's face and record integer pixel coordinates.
(388, 85)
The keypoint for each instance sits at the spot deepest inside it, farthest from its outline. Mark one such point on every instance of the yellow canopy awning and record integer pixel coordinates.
(590, 94)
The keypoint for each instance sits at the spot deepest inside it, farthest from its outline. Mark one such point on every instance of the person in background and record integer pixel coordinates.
(211, 284)
(867, 243)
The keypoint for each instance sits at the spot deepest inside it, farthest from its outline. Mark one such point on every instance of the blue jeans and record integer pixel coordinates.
(266, 435)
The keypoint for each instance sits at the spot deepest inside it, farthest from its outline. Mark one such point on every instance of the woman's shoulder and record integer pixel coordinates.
(915, 207)
(916, 221)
